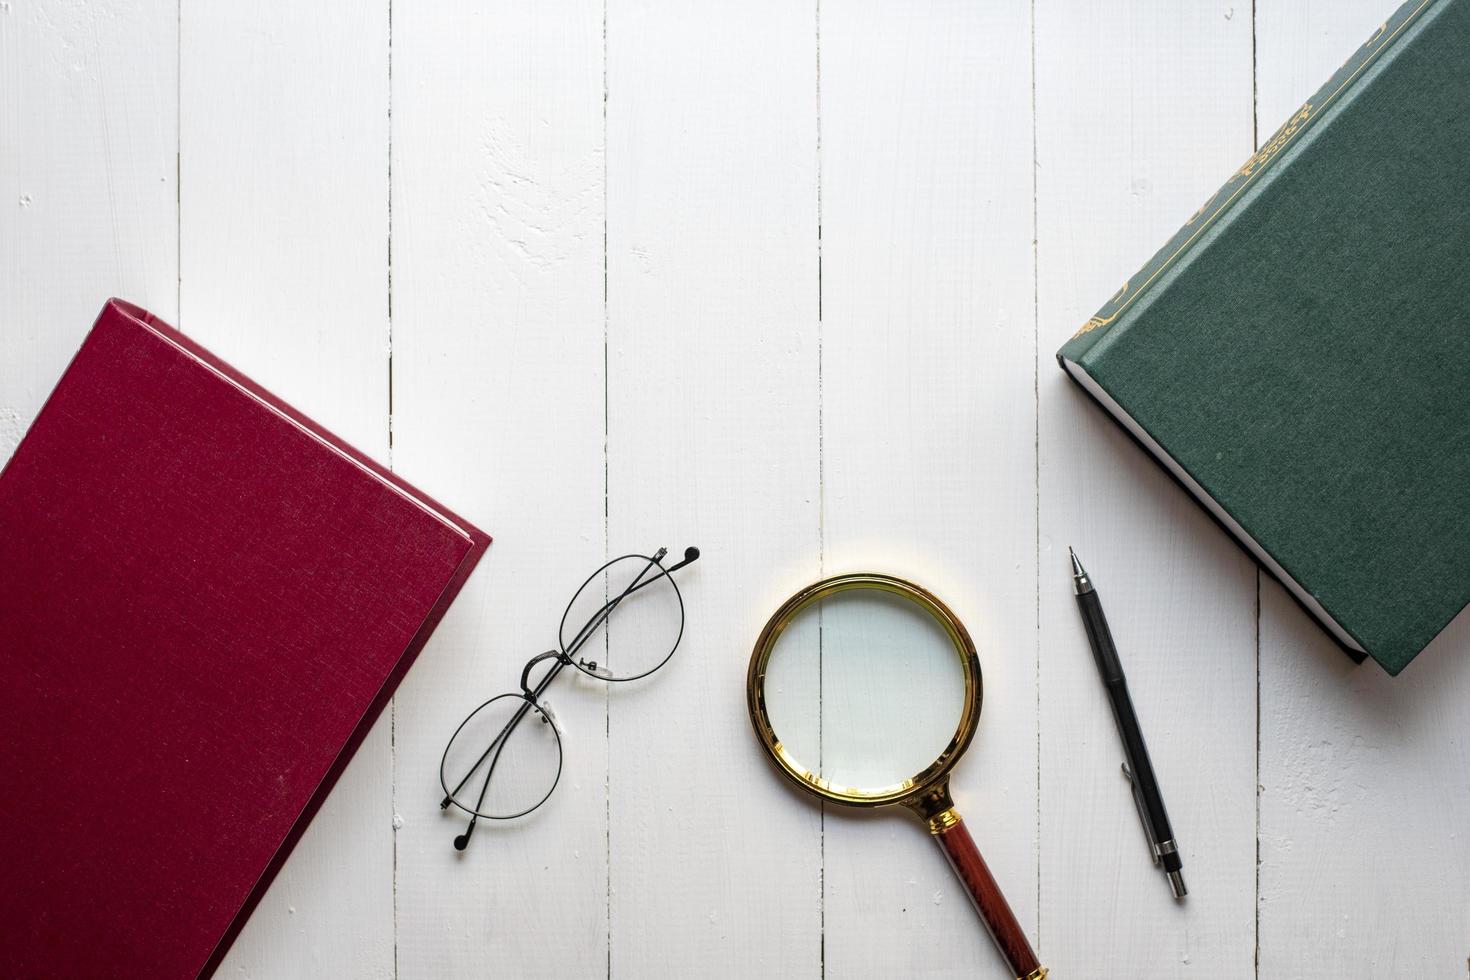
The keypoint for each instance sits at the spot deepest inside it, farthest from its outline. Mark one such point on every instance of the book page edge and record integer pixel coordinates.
(1309, 601)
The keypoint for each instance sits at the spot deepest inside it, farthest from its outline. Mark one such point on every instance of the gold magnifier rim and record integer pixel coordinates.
(927, 782)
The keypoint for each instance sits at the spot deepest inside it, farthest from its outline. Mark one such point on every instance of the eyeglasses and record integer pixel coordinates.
(498, 768)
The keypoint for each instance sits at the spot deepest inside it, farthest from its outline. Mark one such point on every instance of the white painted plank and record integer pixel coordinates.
(927, 345)
(712, 441)
(928, 414)
(1364, 805)
(283, 235)
(87, 183)
(498, 411)
(1364, 799)
(1142, 112)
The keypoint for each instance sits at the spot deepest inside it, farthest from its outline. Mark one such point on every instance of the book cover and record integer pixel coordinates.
(205, 601)
(1298, 355)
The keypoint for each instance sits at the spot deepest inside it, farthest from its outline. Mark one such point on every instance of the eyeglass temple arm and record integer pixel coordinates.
(498, 744)
(691, 554)
(463, 840)
(515, 719)
(600, 617)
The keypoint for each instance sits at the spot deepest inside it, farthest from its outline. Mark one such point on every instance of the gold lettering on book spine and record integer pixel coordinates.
(1242, 178)
(1089, 326)
(1275, 143)
(1098, 321)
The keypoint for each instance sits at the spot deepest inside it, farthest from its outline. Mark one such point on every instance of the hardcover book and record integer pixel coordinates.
(1298, 355)
(205, 601)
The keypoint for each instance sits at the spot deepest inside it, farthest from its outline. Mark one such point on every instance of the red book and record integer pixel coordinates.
(205, 600)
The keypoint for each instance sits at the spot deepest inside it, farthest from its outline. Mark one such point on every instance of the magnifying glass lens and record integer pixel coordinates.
(864, 689)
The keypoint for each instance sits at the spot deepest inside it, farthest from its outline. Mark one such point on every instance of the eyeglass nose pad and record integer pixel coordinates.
(591, 667)
(548, 715)
(526, 674)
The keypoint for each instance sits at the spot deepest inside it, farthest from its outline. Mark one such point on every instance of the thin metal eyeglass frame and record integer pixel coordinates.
(563, 658)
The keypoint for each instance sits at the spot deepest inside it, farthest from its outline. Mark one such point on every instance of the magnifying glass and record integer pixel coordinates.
(865, 690)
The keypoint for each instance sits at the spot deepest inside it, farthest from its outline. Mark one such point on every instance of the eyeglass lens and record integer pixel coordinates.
(503, 765)
(641, 631)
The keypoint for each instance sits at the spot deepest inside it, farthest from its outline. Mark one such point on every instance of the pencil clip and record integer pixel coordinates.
(1148, 831)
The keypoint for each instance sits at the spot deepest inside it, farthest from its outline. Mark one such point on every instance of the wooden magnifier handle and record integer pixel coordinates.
(949, 830)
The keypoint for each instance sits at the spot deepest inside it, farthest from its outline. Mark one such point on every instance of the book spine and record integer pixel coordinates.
(1260, 162)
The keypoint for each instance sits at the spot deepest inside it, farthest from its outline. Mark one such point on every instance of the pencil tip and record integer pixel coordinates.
(1077, 571)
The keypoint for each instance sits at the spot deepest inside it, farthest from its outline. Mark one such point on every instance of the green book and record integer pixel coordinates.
(1298, 355)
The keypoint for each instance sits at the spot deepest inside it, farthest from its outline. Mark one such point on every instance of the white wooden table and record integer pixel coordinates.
(784, 282)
